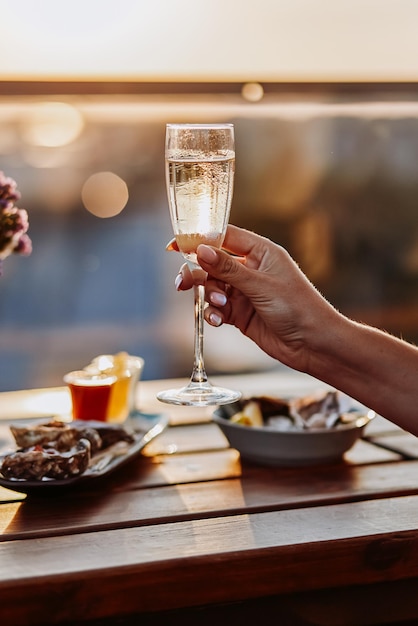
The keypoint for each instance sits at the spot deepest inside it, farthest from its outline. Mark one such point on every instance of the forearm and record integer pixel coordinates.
(371, 366)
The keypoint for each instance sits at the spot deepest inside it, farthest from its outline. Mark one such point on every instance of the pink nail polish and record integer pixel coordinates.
(215, 319)
(218, 299)
(207, 254)
(177, 282)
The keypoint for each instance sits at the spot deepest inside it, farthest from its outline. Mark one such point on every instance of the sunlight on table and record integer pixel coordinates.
(34, 403)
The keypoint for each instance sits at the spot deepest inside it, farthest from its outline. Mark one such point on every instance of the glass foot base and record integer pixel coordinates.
(199, 394)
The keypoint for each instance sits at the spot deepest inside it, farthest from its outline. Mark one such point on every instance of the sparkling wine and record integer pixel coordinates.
(200, 195)
(188, 243)
(200, 166)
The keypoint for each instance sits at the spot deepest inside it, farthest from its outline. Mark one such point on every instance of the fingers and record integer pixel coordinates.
(221, 265)
(186, 278)
(246, 244)
(215, 294)
(214, 317)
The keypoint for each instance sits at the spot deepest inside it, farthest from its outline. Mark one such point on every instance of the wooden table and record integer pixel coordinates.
(187, 532)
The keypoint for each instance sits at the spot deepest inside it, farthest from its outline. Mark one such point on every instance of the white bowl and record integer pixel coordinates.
(267, 446)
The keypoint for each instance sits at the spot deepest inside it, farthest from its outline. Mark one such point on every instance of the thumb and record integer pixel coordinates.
(222, 265)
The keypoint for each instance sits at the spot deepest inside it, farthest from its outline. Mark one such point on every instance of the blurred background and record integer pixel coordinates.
(324, 98)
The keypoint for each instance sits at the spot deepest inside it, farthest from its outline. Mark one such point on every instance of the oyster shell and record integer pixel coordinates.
(59, 450)
(38, 462)
(325, 409)
(320, 410)
(55, 434)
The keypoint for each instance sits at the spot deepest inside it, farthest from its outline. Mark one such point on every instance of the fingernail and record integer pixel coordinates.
(207, 254)
(219, 299)
(177, 281)
(172, 245)
(215, 319)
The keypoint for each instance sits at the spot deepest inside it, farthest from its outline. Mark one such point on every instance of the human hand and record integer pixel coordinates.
(263, 292)
(255, 285)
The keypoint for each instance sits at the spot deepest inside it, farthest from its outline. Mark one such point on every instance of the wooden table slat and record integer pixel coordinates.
(188, 523)
(258, 489)
(214, 560)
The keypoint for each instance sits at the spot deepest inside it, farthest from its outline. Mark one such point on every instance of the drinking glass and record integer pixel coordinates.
(200, 165)
(90, 394)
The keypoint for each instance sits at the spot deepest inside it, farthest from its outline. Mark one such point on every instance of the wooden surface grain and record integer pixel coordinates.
(189, 524)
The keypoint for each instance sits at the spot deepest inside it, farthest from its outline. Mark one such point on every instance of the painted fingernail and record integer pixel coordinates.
(219, 299)
(207, 254)
(177, 281)
(172, 245)
(215, 319)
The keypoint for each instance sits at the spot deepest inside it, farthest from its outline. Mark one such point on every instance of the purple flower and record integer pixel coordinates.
(14, 222)
(8, 191)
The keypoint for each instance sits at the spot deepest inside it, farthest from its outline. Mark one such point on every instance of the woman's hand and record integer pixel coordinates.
(263, 292)
(254, 284)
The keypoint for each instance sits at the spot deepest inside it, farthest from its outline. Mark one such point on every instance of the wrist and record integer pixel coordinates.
(330, 347)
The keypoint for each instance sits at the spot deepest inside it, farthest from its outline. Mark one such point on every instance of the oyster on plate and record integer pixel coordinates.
(56, 434)
(59, 450)
(37, 462)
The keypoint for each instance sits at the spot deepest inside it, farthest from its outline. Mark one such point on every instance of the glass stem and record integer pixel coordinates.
(199, 373)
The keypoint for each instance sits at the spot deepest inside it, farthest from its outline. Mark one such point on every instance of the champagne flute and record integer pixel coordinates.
(200, 165)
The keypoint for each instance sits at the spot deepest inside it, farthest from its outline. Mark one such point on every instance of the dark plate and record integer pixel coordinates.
(146, 426)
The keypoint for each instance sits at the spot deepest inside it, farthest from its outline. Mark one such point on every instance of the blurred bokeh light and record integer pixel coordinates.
(52, 124)
(323, 96)
(105, 194)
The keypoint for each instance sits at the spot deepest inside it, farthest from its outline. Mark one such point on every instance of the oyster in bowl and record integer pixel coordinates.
(308, 430)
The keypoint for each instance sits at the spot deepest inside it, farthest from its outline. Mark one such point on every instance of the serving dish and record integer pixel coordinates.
(275, 445)
(144, 427)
